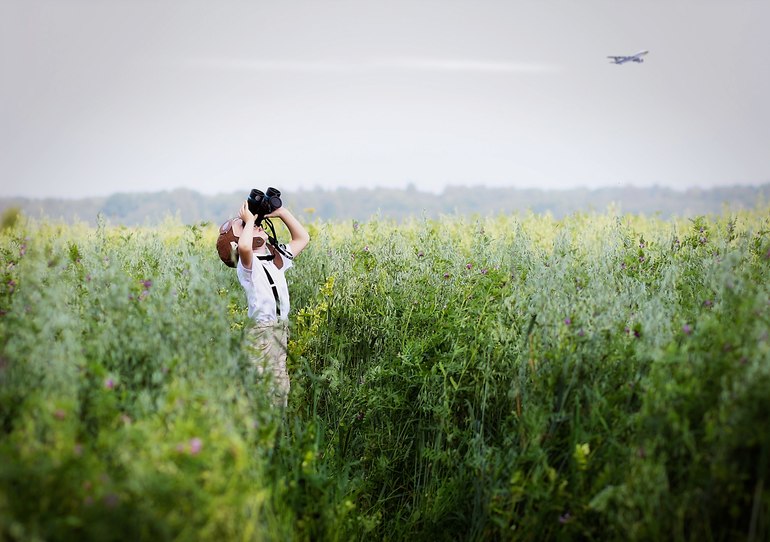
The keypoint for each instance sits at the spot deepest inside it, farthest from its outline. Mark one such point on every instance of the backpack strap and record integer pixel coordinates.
(275, 292)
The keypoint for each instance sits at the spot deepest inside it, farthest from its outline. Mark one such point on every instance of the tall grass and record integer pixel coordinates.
(512, 378)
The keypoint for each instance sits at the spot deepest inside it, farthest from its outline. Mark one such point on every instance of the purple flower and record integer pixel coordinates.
(641, 258)
(581, 332)
(568, 320)
(708, 303)
(420, 254)
(366, 248)
(355, 225)
(59, 414)
(109, 383)
(484, 271)
(147, 284)
(195, 446)
(686, 329)
(703, 240)
(446, 275)
(468, 265)
(623, 265)
(111, 500)
(564, 518)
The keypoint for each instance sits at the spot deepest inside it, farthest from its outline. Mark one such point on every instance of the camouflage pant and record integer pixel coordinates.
(268, 346)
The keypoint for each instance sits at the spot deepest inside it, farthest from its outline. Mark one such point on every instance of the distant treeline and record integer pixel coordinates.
(190, 207)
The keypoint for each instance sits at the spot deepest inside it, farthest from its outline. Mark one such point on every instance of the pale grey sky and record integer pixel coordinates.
(99, 96)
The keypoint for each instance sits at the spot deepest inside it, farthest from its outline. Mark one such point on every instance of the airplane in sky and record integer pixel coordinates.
(633, 58)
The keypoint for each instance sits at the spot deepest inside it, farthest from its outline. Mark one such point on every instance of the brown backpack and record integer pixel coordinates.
(227, 243)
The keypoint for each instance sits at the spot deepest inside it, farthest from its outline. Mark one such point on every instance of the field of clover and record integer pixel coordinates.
(519, 377)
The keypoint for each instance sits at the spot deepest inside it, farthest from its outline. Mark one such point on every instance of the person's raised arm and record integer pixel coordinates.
(299, 235)
(245, 250)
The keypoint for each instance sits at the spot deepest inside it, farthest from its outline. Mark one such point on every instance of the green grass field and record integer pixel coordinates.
(599, 377)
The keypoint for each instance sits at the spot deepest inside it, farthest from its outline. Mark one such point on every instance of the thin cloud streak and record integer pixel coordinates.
(406, 64)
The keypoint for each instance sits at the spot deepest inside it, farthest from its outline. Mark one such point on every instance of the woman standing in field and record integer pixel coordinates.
(261, 267)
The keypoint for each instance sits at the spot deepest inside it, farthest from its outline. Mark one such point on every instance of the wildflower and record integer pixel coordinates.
(109, 383)
(446, 275)
(567, 320)
(564, 518)
(11, 285)
(195, 446)
(623, 265)
(59, 414)
(147, 284)
(686, 329)
(366, 248)
(469, 266)
(420, 254)
(708, 303)
(581, 332)
(484, 271)
(355, 225)
(641, 258)
(703, 240)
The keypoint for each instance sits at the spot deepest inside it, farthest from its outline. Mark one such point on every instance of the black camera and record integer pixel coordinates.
(264, 203)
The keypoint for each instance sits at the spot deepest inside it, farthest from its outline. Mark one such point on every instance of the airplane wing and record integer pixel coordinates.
(633, 58)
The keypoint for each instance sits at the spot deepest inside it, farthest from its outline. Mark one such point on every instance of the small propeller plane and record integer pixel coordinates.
(633, 58)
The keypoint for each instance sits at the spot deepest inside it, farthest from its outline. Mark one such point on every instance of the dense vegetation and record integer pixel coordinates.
(143, 209)
(505, 378)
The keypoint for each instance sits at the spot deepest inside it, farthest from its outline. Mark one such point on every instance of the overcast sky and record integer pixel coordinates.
(99, 96)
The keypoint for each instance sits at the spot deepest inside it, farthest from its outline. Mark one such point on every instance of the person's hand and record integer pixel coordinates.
(277, 213)
(245, 214)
